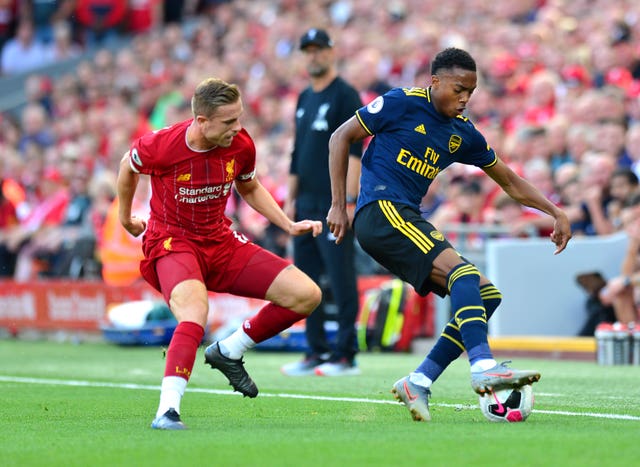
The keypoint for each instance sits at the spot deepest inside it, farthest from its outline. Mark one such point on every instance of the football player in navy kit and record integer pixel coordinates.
(417, 133)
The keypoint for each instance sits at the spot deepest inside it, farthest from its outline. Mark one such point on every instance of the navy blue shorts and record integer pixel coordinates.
(401, 240)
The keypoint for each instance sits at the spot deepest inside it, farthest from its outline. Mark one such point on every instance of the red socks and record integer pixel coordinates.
(269, 321)
(182, 349)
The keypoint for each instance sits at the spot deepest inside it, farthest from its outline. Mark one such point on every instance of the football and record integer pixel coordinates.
(508, 405)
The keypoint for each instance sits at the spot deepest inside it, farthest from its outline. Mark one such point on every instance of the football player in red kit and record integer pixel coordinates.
(190, 249)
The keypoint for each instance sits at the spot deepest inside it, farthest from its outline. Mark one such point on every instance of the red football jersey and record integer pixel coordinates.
(190, 188)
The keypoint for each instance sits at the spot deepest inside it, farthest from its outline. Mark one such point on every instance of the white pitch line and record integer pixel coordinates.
(145, 387)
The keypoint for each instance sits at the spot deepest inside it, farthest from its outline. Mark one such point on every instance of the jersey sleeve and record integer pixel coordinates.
(247, 171)
(480, 153)
(143, 155)
(382, 111)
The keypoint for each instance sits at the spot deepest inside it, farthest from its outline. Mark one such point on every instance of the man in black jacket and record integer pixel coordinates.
(327, 102)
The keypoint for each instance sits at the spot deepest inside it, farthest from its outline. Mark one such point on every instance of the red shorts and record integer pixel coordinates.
(234, 265)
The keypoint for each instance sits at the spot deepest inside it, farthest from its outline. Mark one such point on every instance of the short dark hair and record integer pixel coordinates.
(453, 57)
(627, 173)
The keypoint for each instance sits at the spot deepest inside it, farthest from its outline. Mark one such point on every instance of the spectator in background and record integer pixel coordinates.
(9, 136)
(595, 175)
(46, 14)
(465, 205)
(36, 128)
(579, 141)
(63, 47)
(24, 52)
(48, 212)
(538, 171)
(364, 71)
(67, 249)
(8, 19)
(525, 144)
(101, 21)
(145, 15)
(38, 89)
(632, 106)
(609, 138)
(567, 184)
(623, 291)
(509, 213)
(8, 220)
(623, 185)
(556, 134)
(626, 53)
(540, 98)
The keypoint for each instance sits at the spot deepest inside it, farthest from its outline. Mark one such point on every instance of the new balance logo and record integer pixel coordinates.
(420, 129)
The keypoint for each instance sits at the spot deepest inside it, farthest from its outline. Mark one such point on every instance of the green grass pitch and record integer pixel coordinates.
(91, 404)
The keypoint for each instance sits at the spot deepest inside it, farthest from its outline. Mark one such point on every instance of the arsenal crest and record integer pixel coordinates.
(454, 143)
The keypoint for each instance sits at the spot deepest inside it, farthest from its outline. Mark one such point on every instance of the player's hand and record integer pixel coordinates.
(135, 226)
(561, 232)
(338, 222)
(306, 226)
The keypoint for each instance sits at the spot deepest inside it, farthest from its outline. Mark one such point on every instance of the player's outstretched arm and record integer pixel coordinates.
(259, 198)
(525, 193)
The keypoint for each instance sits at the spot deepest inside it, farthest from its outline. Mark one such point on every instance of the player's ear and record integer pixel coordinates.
(435, 81)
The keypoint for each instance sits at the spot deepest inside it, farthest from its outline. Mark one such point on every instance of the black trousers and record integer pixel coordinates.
(321, 256)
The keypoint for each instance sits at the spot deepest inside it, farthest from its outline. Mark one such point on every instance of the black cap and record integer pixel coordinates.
(317, 37)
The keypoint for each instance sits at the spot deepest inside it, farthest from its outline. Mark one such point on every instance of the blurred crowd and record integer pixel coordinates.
(38, 32)
(558, 98)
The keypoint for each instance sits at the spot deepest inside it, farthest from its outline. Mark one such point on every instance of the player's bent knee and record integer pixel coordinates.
(296, 291)
(309, 298)
(189, 302)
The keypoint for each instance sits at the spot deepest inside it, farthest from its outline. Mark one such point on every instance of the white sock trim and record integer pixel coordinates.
(171, 392)
(236, 344)
(420, 379)
(483, 365)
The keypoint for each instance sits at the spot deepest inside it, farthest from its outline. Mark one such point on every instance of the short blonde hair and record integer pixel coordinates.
(211, 94)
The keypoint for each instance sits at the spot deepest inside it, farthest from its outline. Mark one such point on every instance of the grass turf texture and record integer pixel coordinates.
(91, 404)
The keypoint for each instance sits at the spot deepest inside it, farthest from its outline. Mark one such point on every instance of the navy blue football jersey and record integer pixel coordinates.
(412, 143)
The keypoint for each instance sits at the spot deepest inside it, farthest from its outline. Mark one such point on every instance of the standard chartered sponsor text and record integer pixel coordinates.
(200, 195)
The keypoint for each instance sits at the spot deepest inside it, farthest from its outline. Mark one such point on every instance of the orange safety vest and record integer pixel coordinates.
(120, 252)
